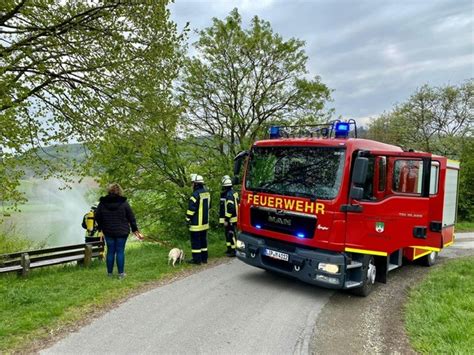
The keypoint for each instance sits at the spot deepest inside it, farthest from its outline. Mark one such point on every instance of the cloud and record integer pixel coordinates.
(252, 5)
(393, 54)
(372, 53)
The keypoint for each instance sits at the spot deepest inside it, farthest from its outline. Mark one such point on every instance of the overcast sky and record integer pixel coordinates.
(373, 54)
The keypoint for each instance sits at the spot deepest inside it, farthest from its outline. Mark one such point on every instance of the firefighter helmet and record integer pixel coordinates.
(198, 179)
(226, 180)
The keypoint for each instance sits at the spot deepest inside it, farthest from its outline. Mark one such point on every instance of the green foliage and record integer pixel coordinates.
(241, 80)
(11, 243)
(466, 183)
(433, 120)
(438, 120)
(30, 311)
(238, 82)
(440, 312)
(68, 72)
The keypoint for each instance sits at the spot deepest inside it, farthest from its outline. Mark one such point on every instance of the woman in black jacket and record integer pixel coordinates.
(114, 218)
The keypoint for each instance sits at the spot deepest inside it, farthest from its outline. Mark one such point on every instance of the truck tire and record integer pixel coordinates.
(430, 259)
(370, 272)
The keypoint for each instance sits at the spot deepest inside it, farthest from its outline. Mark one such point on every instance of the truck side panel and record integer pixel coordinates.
(450, 202)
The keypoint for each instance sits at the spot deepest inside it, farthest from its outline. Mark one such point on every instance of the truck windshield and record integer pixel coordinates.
(314, 172)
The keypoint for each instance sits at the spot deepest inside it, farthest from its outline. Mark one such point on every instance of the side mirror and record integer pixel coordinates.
(359, 173)
(357, 193)
(236, 180)
(238, 161)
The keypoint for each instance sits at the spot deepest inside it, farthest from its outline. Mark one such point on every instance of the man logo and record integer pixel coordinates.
(379, 227)
(278, 220)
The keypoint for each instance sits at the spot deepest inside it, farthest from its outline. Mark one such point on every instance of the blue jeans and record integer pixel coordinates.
(115, 247)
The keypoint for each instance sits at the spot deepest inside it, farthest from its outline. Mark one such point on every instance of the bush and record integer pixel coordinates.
(466, 192)
(10, 243)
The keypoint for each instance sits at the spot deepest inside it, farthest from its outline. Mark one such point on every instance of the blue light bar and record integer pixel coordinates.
(258, 226)
(342, 129)
(274, 132)
(300, 235)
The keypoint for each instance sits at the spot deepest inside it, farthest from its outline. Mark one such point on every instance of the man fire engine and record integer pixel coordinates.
(342, 212)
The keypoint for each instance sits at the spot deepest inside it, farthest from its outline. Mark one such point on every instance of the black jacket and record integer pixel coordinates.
(197, 214)
(229, 206)
(114, 216)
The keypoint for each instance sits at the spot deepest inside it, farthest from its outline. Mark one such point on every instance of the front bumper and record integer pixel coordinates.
(302, 263)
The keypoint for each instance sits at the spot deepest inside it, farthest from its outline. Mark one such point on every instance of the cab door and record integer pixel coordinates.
(393, 212)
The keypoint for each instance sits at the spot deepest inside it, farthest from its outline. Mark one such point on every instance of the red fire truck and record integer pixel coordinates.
(342, 212)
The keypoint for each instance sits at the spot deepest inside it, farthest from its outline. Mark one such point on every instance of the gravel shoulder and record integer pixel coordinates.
(374, 324)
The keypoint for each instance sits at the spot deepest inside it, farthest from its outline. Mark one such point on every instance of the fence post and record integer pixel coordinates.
(25, 264)
(87, 255)
(101, 249)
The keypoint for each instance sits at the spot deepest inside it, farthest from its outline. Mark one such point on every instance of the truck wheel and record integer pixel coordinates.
(370, 272)
(430, 259)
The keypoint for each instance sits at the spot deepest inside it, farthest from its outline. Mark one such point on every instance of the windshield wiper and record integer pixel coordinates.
(261, 189)
(312, 197)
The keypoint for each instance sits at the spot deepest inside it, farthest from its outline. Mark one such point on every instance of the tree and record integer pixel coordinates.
(433, 120)
(69, 68)
(439, 120)
(466, 192)
(240, 80)
(225, 99)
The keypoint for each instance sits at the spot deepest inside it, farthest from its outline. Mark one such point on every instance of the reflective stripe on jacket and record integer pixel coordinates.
(197, 214)
(229, 206)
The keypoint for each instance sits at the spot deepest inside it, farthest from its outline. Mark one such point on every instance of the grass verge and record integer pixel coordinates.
(53, 298)
(464, 226)
(439, 315)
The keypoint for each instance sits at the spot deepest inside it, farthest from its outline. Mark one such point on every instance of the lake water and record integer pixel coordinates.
(53, 214)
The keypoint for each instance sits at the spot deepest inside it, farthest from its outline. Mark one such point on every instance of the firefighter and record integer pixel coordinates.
(89, 223)
(197, 217)
(228, 212)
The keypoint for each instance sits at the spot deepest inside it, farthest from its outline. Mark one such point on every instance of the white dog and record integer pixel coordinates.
(175, 255)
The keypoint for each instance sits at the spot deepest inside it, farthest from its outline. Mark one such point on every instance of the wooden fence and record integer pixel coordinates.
(22, 262)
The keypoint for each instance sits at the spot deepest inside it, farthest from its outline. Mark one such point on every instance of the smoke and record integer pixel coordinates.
(54, 212)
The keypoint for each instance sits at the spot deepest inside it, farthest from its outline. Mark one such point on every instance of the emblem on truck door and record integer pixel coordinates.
(379, 227)
(279, 220)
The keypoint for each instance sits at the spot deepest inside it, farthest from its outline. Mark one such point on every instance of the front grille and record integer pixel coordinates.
(295, 224)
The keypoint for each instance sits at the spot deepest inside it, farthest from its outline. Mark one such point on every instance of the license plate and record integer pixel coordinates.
(276, 255)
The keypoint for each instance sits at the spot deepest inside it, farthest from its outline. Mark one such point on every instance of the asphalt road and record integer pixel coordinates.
(237, 309)
(228, 309)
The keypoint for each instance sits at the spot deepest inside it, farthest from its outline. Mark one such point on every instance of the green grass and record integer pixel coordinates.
(54, 297)
(440, 312)
(464, 226)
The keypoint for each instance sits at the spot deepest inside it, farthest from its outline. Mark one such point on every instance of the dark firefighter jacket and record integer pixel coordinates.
(114, 216)
(229, 206)
(197, 214)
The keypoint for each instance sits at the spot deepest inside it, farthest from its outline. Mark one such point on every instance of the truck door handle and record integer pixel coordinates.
(436, 226)
(419, 232)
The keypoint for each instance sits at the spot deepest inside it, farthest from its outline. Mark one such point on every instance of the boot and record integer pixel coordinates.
(230, 253)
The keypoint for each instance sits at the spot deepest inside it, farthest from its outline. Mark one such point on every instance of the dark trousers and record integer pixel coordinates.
(199, 246)
(115, 250)
(229, 231)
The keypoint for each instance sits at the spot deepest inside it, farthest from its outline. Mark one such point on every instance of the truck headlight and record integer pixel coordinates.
(329, 268)
(240, 245)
